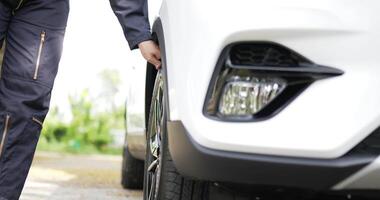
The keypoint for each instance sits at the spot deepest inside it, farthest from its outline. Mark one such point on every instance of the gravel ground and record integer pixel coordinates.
(72, 177)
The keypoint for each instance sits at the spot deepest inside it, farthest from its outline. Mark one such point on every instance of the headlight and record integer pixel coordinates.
(255, 81)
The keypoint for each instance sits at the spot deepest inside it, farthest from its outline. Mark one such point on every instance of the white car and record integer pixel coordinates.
(276, 96)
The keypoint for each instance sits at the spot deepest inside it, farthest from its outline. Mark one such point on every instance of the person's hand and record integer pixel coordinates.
(151, 52)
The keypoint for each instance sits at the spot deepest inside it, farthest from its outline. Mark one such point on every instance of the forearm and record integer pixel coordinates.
(133, 17)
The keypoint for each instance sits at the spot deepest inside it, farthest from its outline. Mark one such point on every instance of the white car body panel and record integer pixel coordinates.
(320, 123)
(325, 121)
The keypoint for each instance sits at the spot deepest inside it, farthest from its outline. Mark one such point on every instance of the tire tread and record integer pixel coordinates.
(132, 172)
(176, 187)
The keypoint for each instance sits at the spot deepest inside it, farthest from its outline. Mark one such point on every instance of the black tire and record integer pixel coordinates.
(176, 187)
(132, 173)
(171, 185)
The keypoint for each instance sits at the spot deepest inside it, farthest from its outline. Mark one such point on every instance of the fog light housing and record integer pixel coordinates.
(254, 81)
(246, 96)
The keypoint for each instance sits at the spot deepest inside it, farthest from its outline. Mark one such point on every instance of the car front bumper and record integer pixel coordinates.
(326, 120)
(193, 160)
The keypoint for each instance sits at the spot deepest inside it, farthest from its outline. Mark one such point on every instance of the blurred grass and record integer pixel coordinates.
(88, 132)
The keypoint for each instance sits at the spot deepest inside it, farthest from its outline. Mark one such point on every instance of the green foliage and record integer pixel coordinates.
(87, 132)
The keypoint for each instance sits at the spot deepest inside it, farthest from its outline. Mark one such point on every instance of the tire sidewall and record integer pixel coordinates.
(148, 155)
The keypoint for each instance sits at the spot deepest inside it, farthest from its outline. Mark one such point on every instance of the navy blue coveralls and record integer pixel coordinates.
(133, 17)
(34, 36)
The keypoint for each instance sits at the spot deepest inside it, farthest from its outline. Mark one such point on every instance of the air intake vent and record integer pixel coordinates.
(265, 54)
(370, 145)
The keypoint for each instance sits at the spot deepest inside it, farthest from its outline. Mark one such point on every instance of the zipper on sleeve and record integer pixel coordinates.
(5, 133)
(38, 62)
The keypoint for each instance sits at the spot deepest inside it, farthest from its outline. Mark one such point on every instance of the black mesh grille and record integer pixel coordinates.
(263, 54)
(371, 144)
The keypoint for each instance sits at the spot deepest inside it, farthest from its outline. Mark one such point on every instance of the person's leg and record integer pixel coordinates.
(33, 50)
(5, 16)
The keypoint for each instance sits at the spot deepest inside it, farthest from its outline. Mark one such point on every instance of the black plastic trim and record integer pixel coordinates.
(196, 161)
(298, 79)
(370, 145)
(305, 70)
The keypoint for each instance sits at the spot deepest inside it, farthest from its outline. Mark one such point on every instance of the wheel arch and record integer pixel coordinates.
(151, 72)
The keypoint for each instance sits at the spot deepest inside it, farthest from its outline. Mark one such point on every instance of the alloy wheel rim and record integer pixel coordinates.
(155, 132)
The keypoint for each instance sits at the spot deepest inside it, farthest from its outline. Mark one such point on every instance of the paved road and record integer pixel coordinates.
(67, 177)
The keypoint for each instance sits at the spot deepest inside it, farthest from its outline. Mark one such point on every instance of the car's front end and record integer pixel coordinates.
(318, 127)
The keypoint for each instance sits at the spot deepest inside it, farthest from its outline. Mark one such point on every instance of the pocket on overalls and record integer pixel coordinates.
(47, 56)
(39, 54)
(34, 128)
(33, 131)
(18, 151)
(30, 133)
(33, 53)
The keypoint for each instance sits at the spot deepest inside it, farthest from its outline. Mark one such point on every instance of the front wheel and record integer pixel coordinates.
(161, 179)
